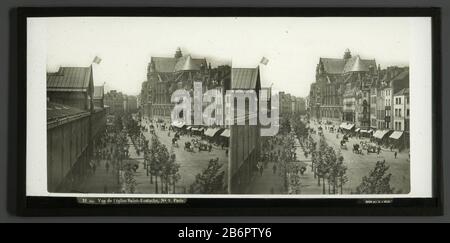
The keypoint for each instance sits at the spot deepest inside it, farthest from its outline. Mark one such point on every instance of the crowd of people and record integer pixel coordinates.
(193, 142)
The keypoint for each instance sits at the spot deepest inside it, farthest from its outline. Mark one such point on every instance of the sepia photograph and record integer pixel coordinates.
(281, 107)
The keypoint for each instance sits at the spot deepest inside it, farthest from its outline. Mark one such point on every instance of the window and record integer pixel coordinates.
(400, 112)
(407, 112)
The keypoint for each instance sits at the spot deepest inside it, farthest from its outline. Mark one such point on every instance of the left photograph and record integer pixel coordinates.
(106, 140)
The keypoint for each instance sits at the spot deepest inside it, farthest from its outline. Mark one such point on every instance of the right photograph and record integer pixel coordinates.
(348, 135)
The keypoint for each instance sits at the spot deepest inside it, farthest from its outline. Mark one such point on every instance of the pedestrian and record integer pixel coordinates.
(107, 167)
(94, 168)
(210, 148)
(261, 169)
(395, 154)
(274, 168)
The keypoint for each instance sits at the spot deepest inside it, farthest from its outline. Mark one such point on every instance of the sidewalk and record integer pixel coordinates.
(102, 181)
(142, 180)
(268, 183)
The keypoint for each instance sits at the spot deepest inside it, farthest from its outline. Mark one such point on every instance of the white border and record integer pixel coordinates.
(421, 123)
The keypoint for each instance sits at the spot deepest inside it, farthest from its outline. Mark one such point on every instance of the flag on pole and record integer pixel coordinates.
(264, 61)
(97, 60)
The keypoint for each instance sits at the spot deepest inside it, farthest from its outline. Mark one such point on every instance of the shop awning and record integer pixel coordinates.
(347, 126)
(211, 132)
(364, 131)
(197, 129)
(396, 135)
(380, 134)
(357, 129)
(188, 128)
(225, 133)
(178, 124)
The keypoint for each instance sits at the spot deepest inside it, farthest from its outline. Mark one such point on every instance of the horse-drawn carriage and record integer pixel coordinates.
(343, 144)
(203, 146)
(188, 147)
(357, 149)
(370, 147)
(175, 142)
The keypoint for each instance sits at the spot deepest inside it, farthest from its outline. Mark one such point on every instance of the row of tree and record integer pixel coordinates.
(377, 182)
(299, 127)
(161, 166)
(328, 167)
(210, 180)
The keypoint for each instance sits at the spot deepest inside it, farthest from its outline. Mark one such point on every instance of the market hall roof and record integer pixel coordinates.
(172, 64)
(70, 79)
(57, 112)
(245, 78)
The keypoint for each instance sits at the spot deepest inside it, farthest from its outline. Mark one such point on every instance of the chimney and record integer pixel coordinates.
(347, 54)
(178, 53)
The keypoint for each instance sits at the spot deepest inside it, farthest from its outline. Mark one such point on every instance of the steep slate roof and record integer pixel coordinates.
(172, 64)
(57, 111)
(355, 65)
(401, 81)
(164, 64)
(340, 66)
(70, 79)
(333, 65)
(404, 91)
(244, 78)
(98, 92)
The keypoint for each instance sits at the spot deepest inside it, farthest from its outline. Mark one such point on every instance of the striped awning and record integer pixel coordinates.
(178, 124)
(197, 129)
(347, 126)
(211, 132)
(380, 134)
(396, 134)
(225, 133)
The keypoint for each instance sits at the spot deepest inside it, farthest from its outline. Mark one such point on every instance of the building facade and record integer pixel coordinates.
(244, 139)
(146, 99)
(115, 101)
(168, 74)
(340, 91)
(74, 121)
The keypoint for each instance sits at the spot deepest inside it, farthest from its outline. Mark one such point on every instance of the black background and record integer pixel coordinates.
(5, 59)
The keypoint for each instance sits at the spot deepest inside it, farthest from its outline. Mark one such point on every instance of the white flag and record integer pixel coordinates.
(264, 61)
(97, 60)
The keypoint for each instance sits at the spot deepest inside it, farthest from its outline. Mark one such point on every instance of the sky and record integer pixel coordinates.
(293, 46)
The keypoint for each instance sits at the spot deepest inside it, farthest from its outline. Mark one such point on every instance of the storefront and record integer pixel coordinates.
(381, 136)
(347, 127)
(212, 134)
(397, 139)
